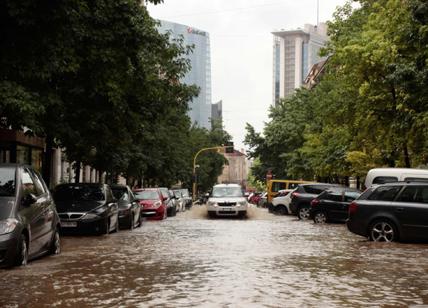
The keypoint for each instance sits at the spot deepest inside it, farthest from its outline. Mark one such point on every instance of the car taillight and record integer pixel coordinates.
(315, 202)
(294, 195)
(353, 207)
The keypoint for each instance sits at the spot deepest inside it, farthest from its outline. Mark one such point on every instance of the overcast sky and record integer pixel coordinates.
(241, 48)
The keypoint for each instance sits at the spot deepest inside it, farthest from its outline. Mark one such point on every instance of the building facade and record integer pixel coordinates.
(294, 54)
(200, 73)
(236, 171)
(217, 112)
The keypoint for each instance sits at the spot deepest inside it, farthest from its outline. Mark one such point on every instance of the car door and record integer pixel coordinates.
(411, 209)
(32, 210)
(334, 205)
(47, 208)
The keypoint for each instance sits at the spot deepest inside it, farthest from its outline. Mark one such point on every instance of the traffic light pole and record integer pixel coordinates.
(195, 181)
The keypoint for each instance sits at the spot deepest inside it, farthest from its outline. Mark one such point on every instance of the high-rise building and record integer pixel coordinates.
(200, 73)
(217, 112)
(294, 54)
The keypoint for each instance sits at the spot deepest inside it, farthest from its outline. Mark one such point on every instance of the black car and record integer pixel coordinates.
(86, 207)
(29, 223)
(129, 208)
(391, 212)
(332, 204)
(302, 196)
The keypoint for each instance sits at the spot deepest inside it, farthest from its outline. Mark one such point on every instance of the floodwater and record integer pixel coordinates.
(192, 261)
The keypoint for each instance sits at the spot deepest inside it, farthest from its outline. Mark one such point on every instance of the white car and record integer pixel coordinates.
(281, 204)
(227, 200)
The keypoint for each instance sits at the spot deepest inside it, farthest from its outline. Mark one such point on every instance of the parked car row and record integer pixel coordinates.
(32, 217)
(393, 208)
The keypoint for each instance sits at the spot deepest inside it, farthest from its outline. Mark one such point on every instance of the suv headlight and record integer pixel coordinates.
(157, 204)
(8, 225)
(212, 203)
(242, 203)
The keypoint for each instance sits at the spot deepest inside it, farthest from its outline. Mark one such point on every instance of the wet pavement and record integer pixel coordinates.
(192, 261)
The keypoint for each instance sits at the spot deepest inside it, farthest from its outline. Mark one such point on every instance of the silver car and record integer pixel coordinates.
(227, 200)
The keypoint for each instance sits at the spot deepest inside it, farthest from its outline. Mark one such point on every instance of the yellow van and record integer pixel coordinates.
(274, 186)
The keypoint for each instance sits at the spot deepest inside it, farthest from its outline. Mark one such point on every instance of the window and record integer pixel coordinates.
(422, 194)
(416, 179)
(28, 184)
(385, 179)
(385, 193)
(408, 194)
(316, 190)
(7, 182)
(38, 184)
(334, 196)
(351, 195)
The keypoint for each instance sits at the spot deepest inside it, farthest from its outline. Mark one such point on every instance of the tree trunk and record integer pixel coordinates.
(77, 175)
(406, 155)
(47, 161)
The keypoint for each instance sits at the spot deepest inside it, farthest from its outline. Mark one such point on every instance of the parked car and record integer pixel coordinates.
(391, 212)
(391, 175)
(169, 200)
(332, 204)
(187, 198)
(87, 207)
(227, 200)
(281, 203)
(129, 207)
(29, 223)
(301, 198)
(180, 201)
(152, 202)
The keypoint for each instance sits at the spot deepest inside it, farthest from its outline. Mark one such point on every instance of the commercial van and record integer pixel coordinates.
(274, 186)
(391, 175)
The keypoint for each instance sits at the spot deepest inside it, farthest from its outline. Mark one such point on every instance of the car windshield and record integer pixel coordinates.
(78, 193)
(7, 182)
(146, 195)
(219, 192)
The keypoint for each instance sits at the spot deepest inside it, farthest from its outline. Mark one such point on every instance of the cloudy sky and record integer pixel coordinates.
(241, 48)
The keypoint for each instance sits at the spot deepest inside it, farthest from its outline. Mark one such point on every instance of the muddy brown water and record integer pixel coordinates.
(192, 261)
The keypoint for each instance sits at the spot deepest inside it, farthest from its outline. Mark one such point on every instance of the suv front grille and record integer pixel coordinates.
(70, 216)
(227, 204)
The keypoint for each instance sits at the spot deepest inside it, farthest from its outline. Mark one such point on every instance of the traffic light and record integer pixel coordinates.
(229, 147)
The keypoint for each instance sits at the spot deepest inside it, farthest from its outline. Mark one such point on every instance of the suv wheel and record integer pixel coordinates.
(382, 230)
(281, 210)
(320, 218)
(303, 213)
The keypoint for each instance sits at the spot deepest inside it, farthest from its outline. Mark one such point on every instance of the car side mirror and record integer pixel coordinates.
(29, 199)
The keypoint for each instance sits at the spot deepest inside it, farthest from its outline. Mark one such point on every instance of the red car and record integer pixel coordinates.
(152, 203)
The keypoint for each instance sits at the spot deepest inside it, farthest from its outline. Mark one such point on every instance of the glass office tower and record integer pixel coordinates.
(200, 74)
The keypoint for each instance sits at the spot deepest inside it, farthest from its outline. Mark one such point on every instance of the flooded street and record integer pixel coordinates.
(189, 260)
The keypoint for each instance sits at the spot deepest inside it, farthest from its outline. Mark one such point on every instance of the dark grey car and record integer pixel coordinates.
(129, 208)
(391, 212)
(29, 223)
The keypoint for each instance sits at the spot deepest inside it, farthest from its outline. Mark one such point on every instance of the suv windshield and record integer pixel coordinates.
(219, 192)
(78, 193)
(7, 182)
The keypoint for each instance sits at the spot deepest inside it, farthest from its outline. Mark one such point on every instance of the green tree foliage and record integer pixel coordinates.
(99, 80)
(370, 108)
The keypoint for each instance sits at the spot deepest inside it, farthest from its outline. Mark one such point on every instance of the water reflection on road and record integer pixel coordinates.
(189, 260)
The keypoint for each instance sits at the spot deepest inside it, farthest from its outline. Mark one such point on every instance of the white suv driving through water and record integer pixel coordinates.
(227, 200)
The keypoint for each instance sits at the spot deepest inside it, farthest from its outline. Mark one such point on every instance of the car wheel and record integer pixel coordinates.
(212, 215)
(281, 210)
(131, 222)
(383, 230)
(55, 246)
(243, 214)
(320, 218)
(303, 213)
(22, 253)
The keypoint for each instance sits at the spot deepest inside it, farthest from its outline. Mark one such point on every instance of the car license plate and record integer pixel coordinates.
(227, 209)
(68, 224)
